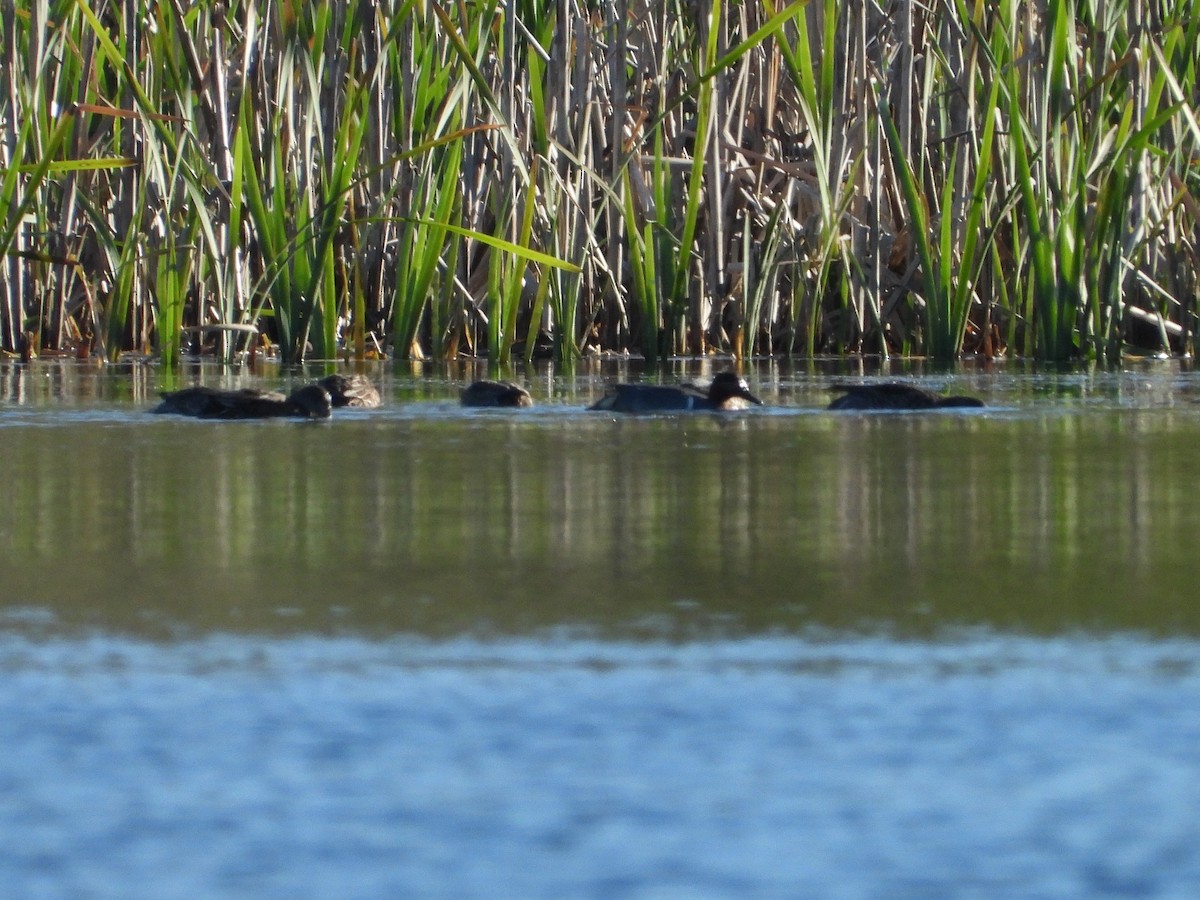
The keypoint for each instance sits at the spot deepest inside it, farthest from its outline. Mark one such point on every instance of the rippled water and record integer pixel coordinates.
(422, 651)
(307, 767)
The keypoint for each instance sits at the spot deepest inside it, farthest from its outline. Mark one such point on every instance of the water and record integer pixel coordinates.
(421, 651)
(315, 767)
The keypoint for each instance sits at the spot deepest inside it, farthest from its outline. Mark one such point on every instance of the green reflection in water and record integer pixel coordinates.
(1031, 520)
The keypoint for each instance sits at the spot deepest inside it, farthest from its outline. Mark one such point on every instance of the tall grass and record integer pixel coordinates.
(431, 179)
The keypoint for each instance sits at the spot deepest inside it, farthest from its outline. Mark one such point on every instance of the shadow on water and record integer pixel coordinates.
(1055, 510)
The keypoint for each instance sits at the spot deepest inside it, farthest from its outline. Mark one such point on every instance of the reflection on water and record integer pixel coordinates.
(1037, 516)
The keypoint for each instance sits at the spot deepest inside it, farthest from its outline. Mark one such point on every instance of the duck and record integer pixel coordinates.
(895, 395)
(351, 390)
(727, 391)
(309, 402)
(495, 393)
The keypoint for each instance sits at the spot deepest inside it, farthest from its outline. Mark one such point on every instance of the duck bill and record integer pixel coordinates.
(746, 395)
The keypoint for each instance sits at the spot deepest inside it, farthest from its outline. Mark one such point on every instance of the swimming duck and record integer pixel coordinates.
(351, 390)
(495, 393)
(728, 391)
(894, 395)
(310, 402)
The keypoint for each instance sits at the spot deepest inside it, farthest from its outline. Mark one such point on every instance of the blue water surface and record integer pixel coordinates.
(974, 765)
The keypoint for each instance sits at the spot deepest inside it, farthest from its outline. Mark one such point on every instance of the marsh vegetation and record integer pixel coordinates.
(424, 179)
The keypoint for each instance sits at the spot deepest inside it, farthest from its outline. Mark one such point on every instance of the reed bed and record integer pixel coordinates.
(415, 179)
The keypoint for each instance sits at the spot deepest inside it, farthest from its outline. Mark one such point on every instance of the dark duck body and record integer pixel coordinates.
(495, 393)
(895, 396)
(309, 402)
(727, 391)
(351, 390)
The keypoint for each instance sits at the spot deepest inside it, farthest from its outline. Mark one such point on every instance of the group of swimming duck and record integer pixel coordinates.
(727, 391)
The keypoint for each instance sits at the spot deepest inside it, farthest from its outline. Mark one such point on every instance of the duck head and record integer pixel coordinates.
(730, 391)
(312, 401)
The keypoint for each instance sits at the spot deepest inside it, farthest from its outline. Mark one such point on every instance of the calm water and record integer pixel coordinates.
(428, 651)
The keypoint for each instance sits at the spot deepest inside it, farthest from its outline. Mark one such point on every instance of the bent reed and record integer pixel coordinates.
(431, 179)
